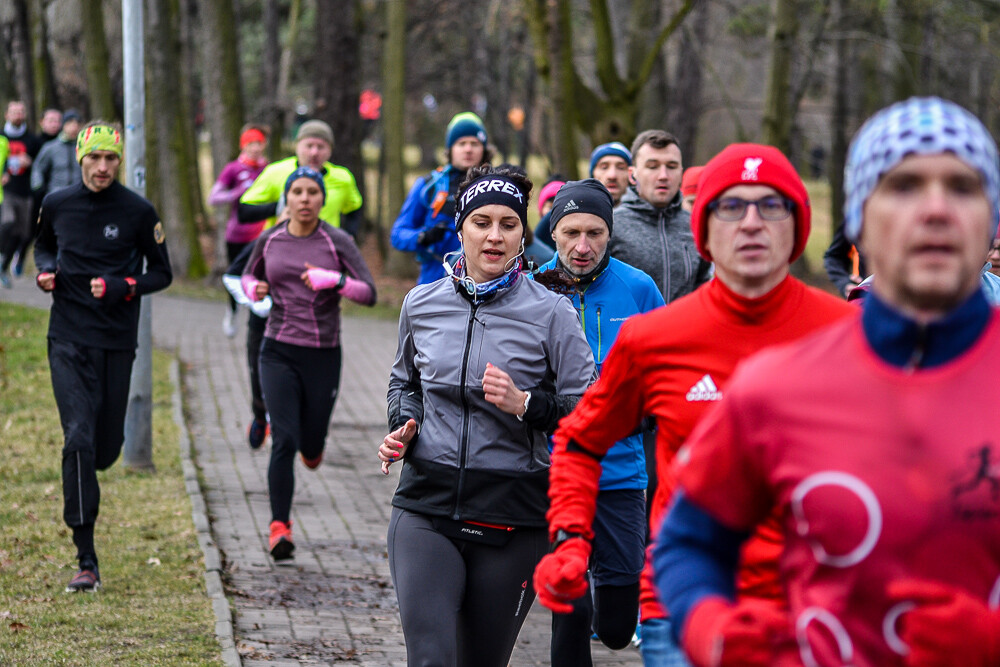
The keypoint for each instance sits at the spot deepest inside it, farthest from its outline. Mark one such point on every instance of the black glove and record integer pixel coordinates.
(433, 234)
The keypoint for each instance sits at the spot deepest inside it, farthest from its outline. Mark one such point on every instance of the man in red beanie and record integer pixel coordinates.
(752, 219)
(689, 187)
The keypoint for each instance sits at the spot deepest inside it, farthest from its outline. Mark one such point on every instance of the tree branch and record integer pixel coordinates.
(649, 62)
(607, 73)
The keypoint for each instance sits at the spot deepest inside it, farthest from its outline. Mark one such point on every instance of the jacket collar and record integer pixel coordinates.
(631, 200)
(905, 343)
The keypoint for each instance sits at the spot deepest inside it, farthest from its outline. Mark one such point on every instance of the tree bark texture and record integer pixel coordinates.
(339, 31)
(398, 264)
(41, 61)
(96, 61)
(24, 80)
(222, 91)
(270, 66)
(686, 106)
(175, 191)
(777, 111)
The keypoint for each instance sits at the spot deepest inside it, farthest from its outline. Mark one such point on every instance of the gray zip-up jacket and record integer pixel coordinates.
(470, 460)
(659, 241)
(55, 166)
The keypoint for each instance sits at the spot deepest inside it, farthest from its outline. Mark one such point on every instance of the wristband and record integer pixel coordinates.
(562, 536)
(527, 397)
(130, 288)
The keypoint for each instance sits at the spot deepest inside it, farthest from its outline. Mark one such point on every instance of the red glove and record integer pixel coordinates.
(719, 633)
(574, 478)
(947, 627)
(561, 576)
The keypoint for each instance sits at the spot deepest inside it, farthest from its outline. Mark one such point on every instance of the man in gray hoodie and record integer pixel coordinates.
(652, 233)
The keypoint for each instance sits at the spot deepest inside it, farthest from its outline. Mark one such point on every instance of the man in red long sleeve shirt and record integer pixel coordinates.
(751, 218)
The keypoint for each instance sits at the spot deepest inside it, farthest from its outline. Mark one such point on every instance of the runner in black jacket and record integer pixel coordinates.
(92, 242)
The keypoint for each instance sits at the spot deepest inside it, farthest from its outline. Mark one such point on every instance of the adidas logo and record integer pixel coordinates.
(570, 206)
(704, 390)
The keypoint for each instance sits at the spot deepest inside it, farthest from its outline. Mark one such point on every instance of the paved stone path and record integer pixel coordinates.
(336, 603)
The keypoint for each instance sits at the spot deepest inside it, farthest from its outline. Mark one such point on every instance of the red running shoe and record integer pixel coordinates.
(280, 544)
(87, 580)
(312, 464)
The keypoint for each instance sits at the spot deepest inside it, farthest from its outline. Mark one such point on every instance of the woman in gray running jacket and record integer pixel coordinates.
(487, 363)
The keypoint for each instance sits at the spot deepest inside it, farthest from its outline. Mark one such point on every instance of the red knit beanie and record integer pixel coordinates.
(750, 164)
(689, 181)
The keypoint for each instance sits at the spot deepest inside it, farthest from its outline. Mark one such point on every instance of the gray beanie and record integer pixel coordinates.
(317, 129)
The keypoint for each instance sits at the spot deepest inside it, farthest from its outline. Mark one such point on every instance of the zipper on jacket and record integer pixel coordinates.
(598, 360)
(464, 445)
(666, 256)
(919, 350)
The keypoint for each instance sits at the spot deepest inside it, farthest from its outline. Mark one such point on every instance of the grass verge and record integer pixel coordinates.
(153, 609)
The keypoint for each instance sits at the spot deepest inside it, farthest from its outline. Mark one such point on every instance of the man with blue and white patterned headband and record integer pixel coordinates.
(876, 437)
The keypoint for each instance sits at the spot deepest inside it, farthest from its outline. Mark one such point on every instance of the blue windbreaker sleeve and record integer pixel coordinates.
(411, 220)
(695, 556)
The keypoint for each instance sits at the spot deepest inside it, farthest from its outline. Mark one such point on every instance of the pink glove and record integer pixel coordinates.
(719, 633)
(318, 278)
(560, 576)
(947, 627)
(249, 284)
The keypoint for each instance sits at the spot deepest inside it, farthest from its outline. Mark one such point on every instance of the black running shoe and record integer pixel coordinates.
(87, 580)
(257, 433)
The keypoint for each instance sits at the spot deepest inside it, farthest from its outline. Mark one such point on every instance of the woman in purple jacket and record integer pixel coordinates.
(233, 181)
(306, 265)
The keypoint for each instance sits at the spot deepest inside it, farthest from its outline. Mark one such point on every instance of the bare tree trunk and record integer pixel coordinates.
(45, 84)
(777, 111)
(838, 151)
(288, 52)
(270, 67)
(562, 89)
(222, 92)
(21, 51)
(96, 59)
(906, 28)
(175, 191)
(339, 30)
(220, 73)
(686, 108)
(397, 264)
(7, 88)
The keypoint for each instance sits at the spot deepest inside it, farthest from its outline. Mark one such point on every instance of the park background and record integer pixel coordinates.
(551, 79)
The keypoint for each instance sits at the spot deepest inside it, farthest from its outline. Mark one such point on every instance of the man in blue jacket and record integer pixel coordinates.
(426, 223)
(605, 292)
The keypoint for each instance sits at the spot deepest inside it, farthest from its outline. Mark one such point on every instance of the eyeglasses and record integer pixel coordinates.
(732, 209)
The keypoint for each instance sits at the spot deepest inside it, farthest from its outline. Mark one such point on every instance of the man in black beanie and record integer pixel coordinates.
(605, 292)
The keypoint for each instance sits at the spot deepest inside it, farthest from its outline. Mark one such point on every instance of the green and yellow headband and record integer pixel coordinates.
(98, 138)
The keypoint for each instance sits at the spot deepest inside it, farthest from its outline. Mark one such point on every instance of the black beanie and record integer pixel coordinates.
(586, 196)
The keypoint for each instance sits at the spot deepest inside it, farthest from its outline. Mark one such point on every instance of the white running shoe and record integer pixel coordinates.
(228, 324)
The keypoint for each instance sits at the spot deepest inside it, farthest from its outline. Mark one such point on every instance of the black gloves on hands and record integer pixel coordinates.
(433, 234)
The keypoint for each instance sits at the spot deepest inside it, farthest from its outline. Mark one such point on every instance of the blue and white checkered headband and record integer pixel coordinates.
(917, 126)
